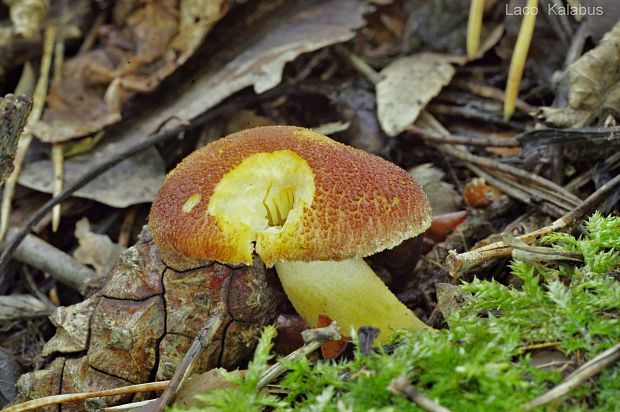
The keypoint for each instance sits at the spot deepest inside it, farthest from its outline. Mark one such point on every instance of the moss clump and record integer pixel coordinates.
(485, 360)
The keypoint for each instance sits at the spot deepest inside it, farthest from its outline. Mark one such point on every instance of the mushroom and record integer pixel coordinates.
(305, 203)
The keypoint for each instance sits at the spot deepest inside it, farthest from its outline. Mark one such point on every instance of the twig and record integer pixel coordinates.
(580, 375)
(127, 406)
(38, 293)
(491, 141)
(469, 113)
(58, 165)
(610, 163)
(359, 64)
(57, 148)
(20, 307)
(559, 192)
(597, 136)
(38, 101)
(91, 36)
(43, 256)
(73, 397)
(187, 365)
(313, 339)
(458, 263)
(526, 253)
(402, 386)
(126, 227)
(520, 192)
(490, 92)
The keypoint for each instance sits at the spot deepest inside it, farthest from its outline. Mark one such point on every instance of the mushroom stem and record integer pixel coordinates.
(348, 292)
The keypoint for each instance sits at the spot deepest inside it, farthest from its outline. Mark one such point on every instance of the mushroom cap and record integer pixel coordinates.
(343, 202)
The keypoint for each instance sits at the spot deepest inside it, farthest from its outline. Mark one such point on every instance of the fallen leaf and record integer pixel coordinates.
(477, 193)
(408, 84)
(450, 298)
(268, 44)
(142, 46)
(331, 128)
(135, 180)
(26, 16)
(203, 383)
(331, 349)
(441, 195)
(289, 338)
(440, 25)
(444, 224)
(593, 87)
(95, 249)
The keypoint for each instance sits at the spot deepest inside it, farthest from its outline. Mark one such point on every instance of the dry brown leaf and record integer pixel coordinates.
(203, 383)
(95, 249)
(26, 16)
(135, 180)
(255, 56)
(450, 298)
(442, 195)
(593, 89)
(145, 43)
(408, 84)
(592, 85)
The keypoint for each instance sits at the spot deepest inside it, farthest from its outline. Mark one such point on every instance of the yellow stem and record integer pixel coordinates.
(474, 27)
(519, 56)
(348, 292)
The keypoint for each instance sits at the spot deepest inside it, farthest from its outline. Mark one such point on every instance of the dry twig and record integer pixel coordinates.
(402, 386)
(73, 397)
(313, 339)
(490, 92)
(583, 373)
(462, 262)
(43, 256)
(487, 141)
(57, 148)
(520, 192)
(567, 199)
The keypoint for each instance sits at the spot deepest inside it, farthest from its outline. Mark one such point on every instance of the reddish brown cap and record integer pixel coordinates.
(355, 204)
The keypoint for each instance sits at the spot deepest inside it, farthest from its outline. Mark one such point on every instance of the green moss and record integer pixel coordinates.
(484, 362)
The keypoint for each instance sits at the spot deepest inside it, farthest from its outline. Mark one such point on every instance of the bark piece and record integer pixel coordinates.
(124, 337)
(14, 112)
